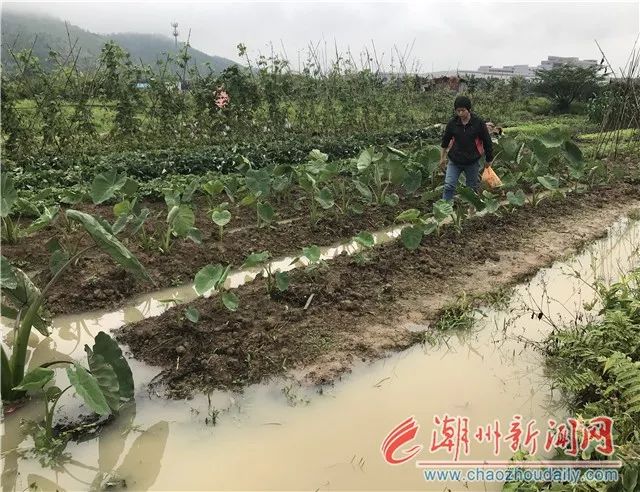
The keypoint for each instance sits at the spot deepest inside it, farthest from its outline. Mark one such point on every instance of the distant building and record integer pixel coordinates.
(509, 71)
(557, 61)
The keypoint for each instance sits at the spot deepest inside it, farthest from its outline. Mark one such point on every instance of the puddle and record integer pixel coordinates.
(279, 436)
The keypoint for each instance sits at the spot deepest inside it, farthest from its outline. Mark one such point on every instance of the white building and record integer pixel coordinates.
(509, 71)
(557, 61)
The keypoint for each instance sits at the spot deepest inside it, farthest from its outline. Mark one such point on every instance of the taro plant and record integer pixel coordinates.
(219, 212)
(516, 199)
(281, 182)
(192, 314)
(130, 219)
(130, 215)
(366, 241)
(108, 185)
(258, 184)
(23, 301)
(377, 172)
(312, 254)
(551, 183)
(539, 162)
(469, 196)
(11, 230)
(180, 217)
(221, 217)
(428, 161)
(466, 196)
(491, 203)
(316, 265)
(418, 225)
(104, 386)
(442, 210)
(577, 169)
(213, 188)
(460, 213)
(276, 280)
(212, 278)
(314, 177)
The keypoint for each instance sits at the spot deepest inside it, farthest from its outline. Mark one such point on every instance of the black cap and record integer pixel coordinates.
(462, 102)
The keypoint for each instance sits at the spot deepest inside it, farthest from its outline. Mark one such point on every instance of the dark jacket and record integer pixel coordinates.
(469, 140)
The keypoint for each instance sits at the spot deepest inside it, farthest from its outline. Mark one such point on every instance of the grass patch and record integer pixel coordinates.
(596, 368)
(569, 123)
(627, 133)
(457, 316)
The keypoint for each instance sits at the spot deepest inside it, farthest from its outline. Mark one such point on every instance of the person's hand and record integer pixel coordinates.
(443, 164)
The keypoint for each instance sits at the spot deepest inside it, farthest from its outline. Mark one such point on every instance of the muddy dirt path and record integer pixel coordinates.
(361, 304)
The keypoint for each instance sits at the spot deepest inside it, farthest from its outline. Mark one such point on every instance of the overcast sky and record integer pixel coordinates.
(445, 35)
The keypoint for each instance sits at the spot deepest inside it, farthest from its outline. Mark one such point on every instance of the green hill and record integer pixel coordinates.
(19, 31)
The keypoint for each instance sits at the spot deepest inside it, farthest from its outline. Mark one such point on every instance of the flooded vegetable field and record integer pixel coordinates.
(285, 436)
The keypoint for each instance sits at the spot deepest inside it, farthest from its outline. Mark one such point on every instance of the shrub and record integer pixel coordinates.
(539, 105)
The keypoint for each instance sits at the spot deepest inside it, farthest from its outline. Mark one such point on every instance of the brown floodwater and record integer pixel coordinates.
(280, 436)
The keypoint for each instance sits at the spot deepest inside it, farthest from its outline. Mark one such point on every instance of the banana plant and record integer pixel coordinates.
(212, 278)
(277, 281)
(23, 301)
(105, 385)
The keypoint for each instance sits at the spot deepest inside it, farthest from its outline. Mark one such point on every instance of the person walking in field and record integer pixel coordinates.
(466, 138)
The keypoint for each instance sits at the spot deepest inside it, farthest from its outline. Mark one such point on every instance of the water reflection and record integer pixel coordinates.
(120, 452)
(270, 438)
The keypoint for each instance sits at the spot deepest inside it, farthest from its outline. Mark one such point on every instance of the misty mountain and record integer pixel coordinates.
(20, 31)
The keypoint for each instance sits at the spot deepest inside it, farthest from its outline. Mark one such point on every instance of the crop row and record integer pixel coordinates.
(41, 177)
(322, 187)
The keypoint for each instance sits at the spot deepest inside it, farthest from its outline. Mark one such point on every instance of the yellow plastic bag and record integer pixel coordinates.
(490, 178)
